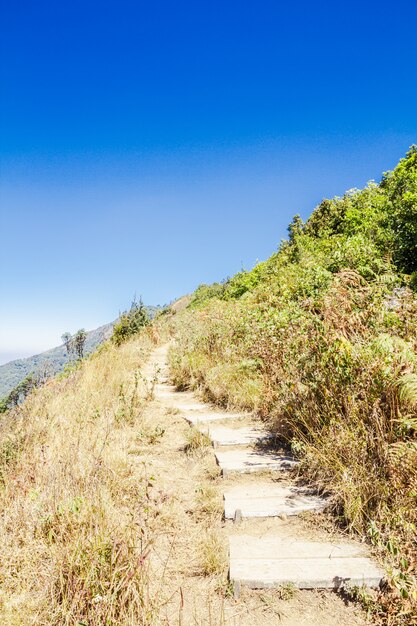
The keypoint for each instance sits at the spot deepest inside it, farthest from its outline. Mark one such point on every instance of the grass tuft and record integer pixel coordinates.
(213, 556)
(197, 441)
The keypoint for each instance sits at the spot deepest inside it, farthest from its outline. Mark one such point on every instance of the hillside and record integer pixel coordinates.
(320, 341)
(112, 510)
(52, 361)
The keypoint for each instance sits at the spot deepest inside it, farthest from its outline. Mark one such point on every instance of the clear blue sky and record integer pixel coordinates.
(150, 146)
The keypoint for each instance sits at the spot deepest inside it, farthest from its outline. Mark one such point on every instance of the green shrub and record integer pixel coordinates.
(320, 341)
(130, 322)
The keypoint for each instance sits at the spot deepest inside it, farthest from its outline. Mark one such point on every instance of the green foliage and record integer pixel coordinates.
(130, 322)
(79, 342)
(19, 393)
(373, 231)
(75, 345)
(401, 189)
(206, 292)
(320, 340)
(67, 341)
(328, 218)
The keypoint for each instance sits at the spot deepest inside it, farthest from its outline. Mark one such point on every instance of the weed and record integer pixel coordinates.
(150, 435)
(197, 441)
(208, 500)
(172, 410)
(287, 591)
(213, 555)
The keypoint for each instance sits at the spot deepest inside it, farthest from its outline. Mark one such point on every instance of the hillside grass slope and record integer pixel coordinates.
(320, 341)
(76, 514)
(54, 361)
(48, 363)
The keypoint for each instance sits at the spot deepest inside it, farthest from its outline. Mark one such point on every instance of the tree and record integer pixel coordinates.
(400, 186)
(79, 342)
(19, 393)
(295, 228)
(67, 341)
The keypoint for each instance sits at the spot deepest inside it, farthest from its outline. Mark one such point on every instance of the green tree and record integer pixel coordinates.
(19, 393)
(79, 342)
(295, 227)
(400, 186)
(67, 341)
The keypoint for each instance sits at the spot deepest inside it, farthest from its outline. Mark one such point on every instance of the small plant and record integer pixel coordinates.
(172, 410)
(150, 385)
(131, 401)
(287, 591)
(150, 436)
(208, 500)
(212, 554)
(197, 441)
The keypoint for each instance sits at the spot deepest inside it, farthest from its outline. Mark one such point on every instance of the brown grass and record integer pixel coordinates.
(77, 509)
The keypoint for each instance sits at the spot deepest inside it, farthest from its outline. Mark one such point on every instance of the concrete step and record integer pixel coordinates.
(183, 404)
(268, 562)
(243, 461)
(208, 415)
(240, 436)
(194, 411)
(268, 499)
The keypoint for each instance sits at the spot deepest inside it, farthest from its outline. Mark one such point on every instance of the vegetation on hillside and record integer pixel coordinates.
(130, 322)
(47, 363)
(53, 361)
(76, 510)
(320, 340)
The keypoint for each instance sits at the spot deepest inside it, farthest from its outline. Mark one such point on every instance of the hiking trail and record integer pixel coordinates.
(272, 541)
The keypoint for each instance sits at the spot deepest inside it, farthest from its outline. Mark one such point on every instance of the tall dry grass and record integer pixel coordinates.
(336, 376)
(76, 509)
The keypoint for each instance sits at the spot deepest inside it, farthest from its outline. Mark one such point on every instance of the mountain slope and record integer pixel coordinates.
(320, 341)
(54, 360)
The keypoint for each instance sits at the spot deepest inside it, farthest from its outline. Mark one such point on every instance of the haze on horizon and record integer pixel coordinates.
(146, 149)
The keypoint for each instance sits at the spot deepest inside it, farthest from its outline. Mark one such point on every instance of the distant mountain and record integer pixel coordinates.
(52, 361)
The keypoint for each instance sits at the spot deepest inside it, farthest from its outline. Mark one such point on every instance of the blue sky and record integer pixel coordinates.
(149, 147)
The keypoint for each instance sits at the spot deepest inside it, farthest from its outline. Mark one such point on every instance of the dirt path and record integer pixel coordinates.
(190, 557)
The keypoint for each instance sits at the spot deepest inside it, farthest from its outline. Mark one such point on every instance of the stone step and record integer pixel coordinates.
(243, 461)
(204, 417)
(268, 499)
(183, 404)
(195, 412)
(240, 436)
(268, 562)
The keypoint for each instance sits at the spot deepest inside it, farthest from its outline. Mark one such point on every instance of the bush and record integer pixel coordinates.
(130, 322)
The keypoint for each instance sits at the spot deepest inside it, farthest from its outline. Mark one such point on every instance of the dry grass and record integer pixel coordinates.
(172, 410)
(77, 509)
(209, 501)
(197, 441)
(212, 553)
